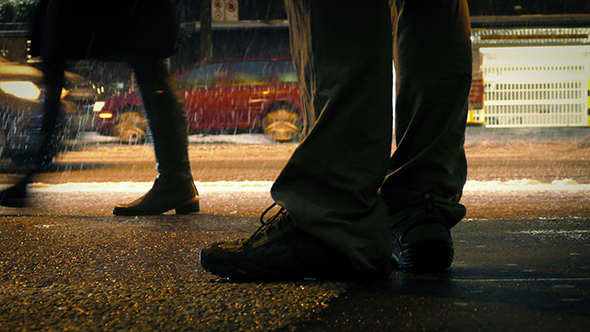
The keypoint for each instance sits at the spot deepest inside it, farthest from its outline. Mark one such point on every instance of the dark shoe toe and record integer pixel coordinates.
(422, 243)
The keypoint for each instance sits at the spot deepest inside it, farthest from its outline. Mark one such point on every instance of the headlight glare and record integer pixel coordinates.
(21, 89)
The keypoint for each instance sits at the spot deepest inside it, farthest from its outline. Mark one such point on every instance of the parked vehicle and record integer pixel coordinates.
(231, 95)
(476, 112)
(21, 100)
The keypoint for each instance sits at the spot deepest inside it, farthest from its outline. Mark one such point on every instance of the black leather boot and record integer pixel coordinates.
(174, 189)
(16, 195)
(164, 196)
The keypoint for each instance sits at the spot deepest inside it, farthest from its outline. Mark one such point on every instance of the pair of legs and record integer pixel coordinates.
(342, 186)
(335, 176)
(174, 188)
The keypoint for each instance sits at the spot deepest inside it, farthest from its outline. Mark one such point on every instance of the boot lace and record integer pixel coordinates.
(268, 225)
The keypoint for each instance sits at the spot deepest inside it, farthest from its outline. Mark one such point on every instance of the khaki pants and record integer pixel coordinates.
(342, 183)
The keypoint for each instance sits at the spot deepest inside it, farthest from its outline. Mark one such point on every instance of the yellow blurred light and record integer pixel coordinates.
(21, 89)
(105, 115)
(64, 93)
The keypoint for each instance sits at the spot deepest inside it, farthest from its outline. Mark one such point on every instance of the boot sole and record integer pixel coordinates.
(190, 206)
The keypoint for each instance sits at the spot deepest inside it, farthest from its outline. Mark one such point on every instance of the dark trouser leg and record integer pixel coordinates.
(166, 117)
(174, 188)
(330, 184)
(433, 67)
(53, 70)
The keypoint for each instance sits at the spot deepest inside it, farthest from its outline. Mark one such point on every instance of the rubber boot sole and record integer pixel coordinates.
(190, 206)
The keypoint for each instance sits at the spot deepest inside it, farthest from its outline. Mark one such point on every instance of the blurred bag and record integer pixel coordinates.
(105, 29)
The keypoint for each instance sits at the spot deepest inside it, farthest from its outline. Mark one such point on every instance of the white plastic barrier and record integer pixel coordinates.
(536, 86)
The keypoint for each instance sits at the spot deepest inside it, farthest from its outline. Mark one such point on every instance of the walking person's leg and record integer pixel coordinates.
(53, 71)
(45, 147)
(174, 188)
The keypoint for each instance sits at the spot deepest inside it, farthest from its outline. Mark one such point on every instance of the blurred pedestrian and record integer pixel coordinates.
(348, 208)
(143, 33)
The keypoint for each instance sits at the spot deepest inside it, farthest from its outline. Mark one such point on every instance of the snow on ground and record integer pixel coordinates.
(94, 137)
(525, 185)
(235, 139)
(220, 186)
(261, 143)
(264, 186)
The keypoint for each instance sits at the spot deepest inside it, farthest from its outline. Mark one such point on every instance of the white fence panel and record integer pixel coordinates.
(536, 86)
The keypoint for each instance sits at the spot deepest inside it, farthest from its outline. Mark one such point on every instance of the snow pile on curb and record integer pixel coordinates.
(525, 185)
(264, 186)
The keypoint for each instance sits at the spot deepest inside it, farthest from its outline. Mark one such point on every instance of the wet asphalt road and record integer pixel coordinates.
(522, 257)
(67, 264)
